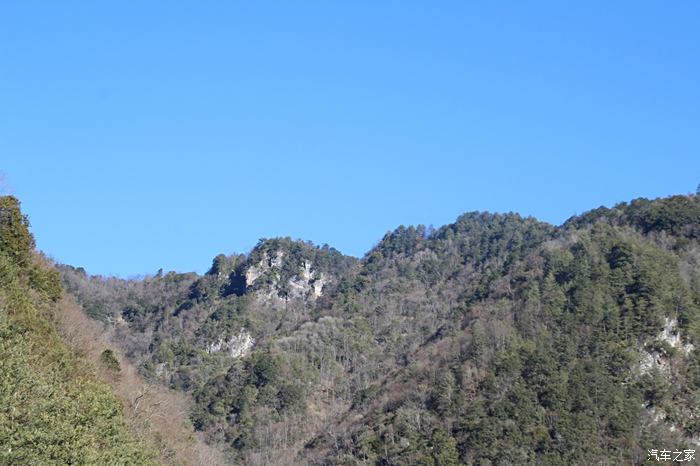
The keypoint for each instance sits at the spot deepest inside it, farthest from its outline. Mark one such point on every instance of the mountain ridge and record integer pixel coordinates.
(496, 339)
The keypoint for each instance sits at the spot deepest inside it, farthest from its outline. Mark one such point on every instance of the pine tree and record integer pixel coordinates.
(15, 239)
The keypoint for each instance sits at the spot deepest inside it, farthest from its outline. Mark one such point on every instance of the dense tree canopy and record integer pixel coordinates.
(496, 339)
(53, 410)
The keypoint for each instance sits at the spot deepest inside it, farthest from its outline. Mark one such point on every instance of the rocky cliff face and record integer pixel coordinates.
(661, 351)
(280, 270)
(235, 346)
(272, 280)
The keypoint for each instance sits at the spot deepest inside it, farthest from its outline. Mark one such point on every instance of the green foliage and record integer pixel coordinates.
(52, 408)
(675, 215)
(46, 281)
(496, 339)
(110, 361)
(15, 239)
(444, 449)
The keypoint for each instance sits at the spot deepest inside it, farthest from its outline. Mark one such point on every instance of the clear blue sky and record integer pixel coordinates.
(148, 134)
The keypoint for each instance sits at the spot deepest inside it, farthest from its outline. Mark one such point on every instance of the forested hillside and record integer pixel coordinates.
(53, 408)
(496, 339)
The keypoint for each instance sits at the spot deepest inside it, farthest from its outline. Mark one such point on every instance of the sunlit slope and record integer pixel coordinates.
(53, 410)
